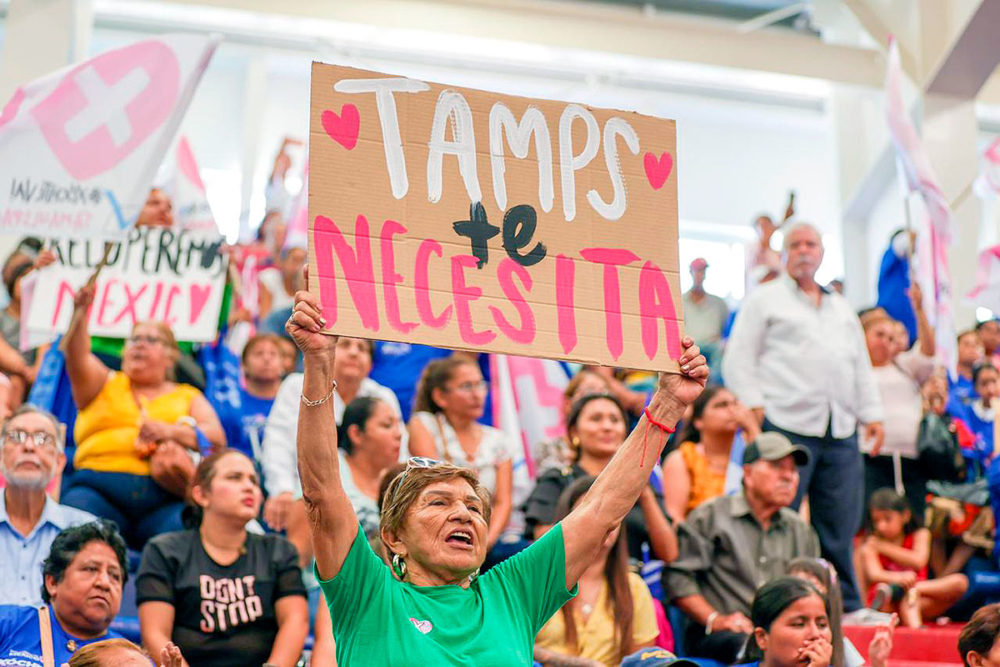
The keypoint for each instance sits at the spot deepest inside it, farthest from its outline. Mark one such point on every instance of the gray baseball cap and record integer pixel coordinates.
(771, 446)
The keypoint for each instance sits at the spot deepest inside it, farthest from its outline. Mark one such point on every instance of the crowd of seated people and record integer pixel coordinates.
(198, 501)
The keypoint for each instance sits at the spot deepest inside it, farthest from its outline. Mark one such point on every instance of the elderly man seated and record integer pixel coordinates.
(731, 545)
(31, 455)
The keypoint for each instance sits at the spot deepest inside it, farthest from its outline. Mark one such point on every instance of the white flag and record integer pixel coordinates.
(192, 211)
(913, 159)
(79, 147)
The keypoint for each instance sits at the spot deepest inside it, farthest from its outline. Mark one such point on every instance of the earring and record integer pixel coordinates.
(399, 566)
(575, 442)
(472, 577)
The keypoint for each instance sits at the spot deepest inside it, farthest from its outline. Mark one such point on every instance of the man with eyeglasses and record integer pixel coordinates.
(31, 455)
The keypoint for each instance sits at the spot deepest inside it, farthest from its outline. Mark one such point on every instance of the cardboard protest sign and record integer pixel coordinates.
(467, 219)
(79, 147)
(177, 277)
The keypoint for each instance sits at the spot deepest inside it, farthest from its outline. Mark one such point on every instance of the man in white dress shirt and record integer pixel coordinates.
(797, 357)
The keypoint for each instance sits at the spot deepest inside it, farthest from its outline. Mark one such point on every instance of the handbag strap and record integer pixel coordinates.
(45, 634)
(444, 440)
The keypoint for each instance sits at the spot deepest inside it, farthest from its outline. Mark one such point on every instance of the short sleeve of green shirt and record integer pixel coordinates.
(378, 620)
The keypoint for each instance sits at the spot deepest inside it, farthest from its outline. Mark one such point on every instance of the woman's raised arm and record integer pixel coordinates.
(331, 517)
(618, 486)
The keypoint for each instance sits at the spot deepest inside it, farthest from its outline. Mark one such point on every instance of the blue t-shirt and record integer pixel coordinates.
(244, 424)
(961, 393)
(398, 366)
(21, 643)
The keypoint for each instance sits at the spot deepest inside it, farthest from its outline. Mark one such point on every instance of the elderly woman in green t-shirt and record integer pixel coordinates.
(431, 607)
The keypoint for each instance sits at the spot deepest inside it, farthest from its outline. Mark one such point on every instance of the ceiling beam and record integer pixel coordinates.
(596, 27)
(878, 28)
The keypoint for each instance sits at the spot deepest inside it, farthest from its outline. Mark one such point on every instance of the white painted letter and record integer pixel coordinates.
(519, 137)
(613, 128)
(569, 163)
(395, 164)
(453, 106)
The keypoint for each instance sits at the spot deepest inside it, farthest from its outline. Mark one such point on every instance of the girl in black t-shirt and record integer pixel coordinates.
(223, 595)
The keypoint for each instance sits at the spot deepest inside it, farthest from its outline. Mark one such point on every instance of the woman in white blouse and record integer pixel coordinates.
(451, 396)
(899, 376)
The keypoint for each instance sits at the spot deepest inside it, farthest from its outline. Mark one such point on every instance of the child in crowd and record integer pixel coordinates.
(894, 559)
(986, 381)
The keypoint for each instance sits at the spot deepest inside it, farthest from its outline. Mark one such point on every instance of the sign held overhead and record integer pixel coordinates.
(467, 219)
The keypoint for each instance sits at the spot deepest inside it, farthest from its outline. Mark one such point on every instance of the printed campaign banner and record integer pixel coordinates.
(156, 273)
(80, 146)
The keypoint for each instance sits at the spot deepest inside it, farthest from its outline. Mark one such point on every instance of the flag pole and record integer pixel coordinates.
(79, 314)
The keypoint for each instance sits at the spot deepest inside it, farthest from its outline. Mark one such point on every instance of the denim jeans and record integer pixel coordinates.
(140, 507)
(834, 480)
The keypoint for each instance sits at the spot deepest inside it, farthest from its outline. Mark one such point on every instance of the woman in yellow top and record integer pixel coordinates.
(697, 468)
(127, 416)
(612, 615)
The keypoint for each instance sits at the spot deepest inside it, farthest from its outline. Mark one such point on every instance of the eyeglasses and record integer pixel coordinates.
(412, 463)
(471, 387)
(41, 439)
(148, 340)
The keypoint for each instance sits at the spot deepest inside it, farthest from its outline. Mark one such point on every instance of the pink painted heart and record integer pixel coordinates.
(199, 297)
(343, 128)
(423, 626)
(658, 168)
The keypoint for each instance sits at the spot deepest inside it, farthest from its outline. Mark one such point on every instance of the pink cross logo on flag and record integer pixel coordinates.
(105, 108)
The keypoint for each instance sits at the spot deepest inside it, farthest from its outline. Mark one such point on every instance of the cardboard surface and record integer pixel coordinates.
(392, 172)
(155, 274)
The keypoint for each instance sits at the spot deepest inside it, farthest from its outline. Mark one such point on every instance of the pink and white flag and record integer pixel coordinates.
(912, 157)
(934, 276)
(192, 211)
(527, 395)
(986, 293)
(987, 183)
(80, 147)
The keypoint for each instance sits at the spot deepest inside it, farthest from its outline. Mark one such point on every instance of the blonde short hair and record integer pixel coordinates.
(404, 490)
(93, 655)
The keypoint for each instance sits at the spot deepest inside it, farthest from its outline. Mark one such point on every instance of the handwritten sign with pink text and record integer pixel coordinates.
(173, 276)
(467, 219)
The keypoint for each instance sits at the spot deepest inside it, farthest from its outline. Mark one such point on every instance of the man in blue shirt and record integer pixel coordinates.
(84, 575)
(30, 457)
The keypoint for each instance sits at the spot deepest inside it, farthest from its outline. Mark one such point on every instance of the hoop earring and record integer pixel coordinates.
(399, 566)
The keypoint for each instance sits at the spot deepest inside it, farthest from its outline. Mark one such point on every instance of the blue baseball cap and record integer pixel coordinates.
(656, 657)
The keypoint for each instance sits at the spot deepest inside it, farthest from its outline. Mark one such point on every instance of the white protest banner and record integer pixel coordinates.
(79, 147)
(174, 276)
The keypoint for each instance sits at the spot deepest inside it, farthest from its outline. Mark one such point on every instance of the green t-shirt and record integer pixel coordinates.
(379, 620)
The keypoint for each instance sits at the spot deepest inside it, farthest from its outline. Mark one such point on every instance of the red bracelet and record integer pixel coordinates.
(649, 420)
(662, 427)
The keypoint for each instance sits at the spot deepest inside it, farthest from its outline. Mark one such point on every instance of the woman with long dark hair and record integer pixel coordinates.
(821, 574)
(791, 621)
(224, 595)
(612, 615)
(699, 468)
(596, 427)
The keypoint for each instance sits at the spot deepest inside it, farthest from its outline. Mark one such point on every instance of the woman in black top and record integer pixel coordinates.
(596, 427)
(223, 595)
